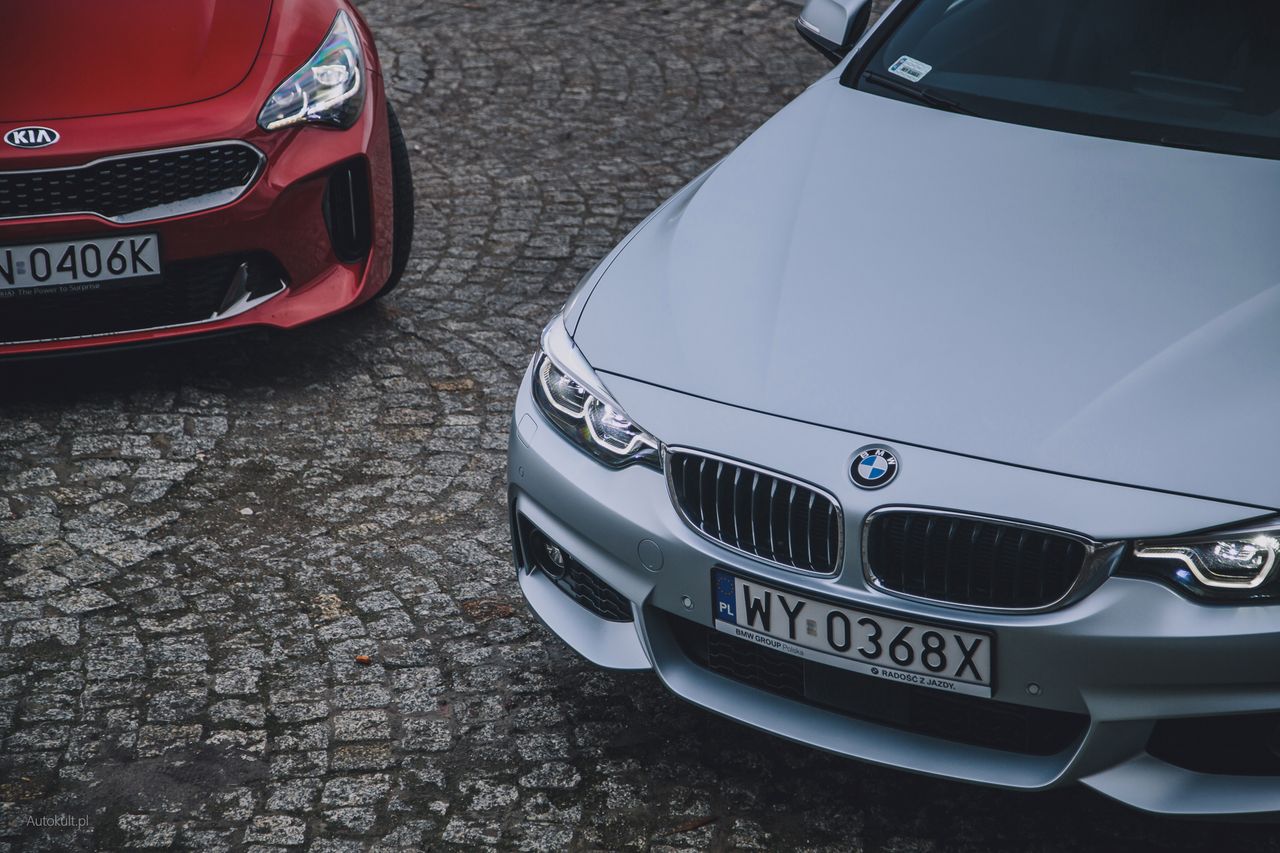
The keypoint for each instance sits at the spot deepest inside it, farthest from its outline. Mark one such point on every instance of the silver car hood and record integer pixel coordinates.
(1084, 306)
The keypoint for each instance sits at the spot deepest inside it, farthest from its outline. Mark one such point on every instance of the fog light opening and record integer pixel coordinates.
(539, 554)
(555, 555)
(546, 555)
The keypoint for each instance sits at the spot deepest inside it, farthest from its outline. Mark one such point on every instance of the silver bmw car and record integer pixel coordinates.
(937, 425)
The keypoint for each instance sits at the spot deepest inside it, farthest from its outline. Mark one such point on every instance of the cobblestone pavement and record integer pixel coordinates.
(197, 542)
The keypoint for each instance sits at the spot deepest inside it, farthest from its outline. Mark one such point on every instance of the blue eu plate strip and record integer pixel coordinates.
(726, 600)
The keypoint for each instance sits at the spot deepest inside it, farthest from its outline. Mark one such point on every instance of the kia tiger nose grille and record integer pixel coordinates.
(759, 513)
(975, 562)
(135, 187)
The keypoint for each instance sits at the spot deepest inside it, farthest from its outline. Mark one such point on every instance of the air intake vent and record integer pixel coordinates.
(976, 562)
(761, 514)
(960, 719)
(572, 578)
(347, 212)
(190, 291)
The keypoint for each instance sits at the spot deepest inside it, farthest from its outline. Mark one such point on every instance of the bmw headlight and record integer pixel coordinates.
(574, 400)
(328, 90)
(1237, 565)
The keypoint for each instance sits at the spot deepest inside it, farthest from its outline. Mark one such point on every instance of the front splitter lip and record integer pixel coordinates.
(609, 645)
(1150, 785)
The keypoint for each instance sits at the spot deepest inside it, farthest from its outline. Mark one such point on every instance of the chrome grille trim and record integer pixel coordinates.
(193, 204)
(1098, 561)
(770, 519)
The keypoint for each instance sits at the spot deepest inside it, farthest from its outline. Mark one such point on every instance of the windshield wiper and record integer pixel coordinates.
(923, 96)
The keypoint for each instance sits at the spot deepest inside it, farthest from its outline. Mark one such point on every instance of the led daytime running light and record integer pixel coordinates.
(598, 422)
(1257, 555)
(327, 90)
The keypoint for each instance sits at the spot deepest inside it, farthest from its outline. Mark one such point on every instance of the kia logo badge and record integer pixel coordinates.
(32, 137)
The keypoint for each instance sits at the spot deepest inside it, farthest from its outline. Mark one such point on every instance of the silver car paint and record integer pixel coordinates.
(1086, 306)
(1130, 653)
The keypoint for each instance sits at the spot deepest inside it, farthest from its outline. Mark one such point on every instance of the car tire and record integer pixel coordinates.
(402, 204)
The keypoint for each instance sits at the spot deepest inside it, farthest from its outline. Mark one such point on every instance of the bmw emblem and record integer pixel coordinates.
(874, 467)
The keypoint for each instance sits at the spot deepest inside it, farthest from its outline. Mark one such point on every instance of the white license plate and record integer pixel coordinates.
(79, 262)
(867, 642)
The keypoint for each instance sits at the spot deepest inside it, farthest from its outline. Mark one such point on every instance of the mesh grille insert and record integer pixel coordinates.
(573, 578)
(123, 187)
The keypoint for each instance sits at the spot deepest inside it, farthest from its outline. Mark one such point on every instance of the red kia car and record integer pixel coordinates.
(172, 169)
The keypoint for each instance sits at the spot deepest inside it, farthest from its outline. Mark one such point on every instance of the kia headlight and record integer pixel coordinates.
(328, 90)
(573, 399)
(1238, 565)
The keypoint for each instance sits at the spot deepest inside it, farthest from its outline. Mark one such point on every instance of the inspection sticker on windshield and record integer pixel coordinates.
(912, 69)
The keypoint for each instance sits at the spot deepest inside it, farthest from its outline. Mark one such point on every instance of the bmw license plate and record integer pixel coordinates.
(78, 263)
(862, 641)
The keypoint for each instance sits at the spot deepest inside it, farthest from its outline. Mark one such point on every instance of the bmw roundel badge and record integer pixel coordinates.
(874, 467)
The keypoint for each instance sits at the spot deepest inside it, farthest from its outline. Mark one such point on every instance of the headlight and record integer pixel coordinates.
(1231, 566)
(327, 90)
(578, 405)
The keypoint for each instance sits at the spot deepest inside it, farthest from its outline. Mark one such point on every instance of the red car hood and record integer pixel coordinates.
(73, 58)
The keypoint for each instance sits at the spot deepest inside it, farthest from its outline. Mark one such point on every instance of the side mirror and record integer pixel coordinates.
(834, 26)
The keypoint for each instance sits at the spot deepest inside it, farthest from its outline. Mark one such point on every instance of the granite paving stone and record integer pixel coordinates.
(197, 543)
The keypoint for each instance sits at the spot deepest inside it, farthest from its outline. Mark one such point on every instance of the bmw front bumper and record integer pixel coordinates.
(1126, 659)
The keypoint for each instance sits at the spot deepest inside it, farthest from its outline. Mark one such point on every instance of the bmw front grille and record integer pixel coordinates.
(977, 562)
(757, 512)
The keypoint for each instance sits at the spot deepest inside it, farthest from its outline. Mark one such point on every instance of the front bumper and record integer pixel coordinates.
(1129, 655)
(280, 220)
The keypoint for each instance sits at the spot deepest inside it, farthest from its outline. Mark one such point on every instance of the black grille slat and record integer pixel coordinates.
(752, 526)
(761, 514)
(972, 562)
(808, 538)
(706, 496)
(719, 495)
(773, 499)
(128, 184)
(737, 530)
(791, 528)
(831, 511)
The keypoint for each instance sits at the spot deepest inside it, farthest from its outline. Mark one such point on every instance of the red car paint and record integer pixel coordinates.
(175, 100)
(127, 55)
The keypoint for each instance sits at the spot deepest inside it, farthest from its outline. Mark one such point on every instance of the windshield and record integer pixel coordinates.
(1199, 74)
